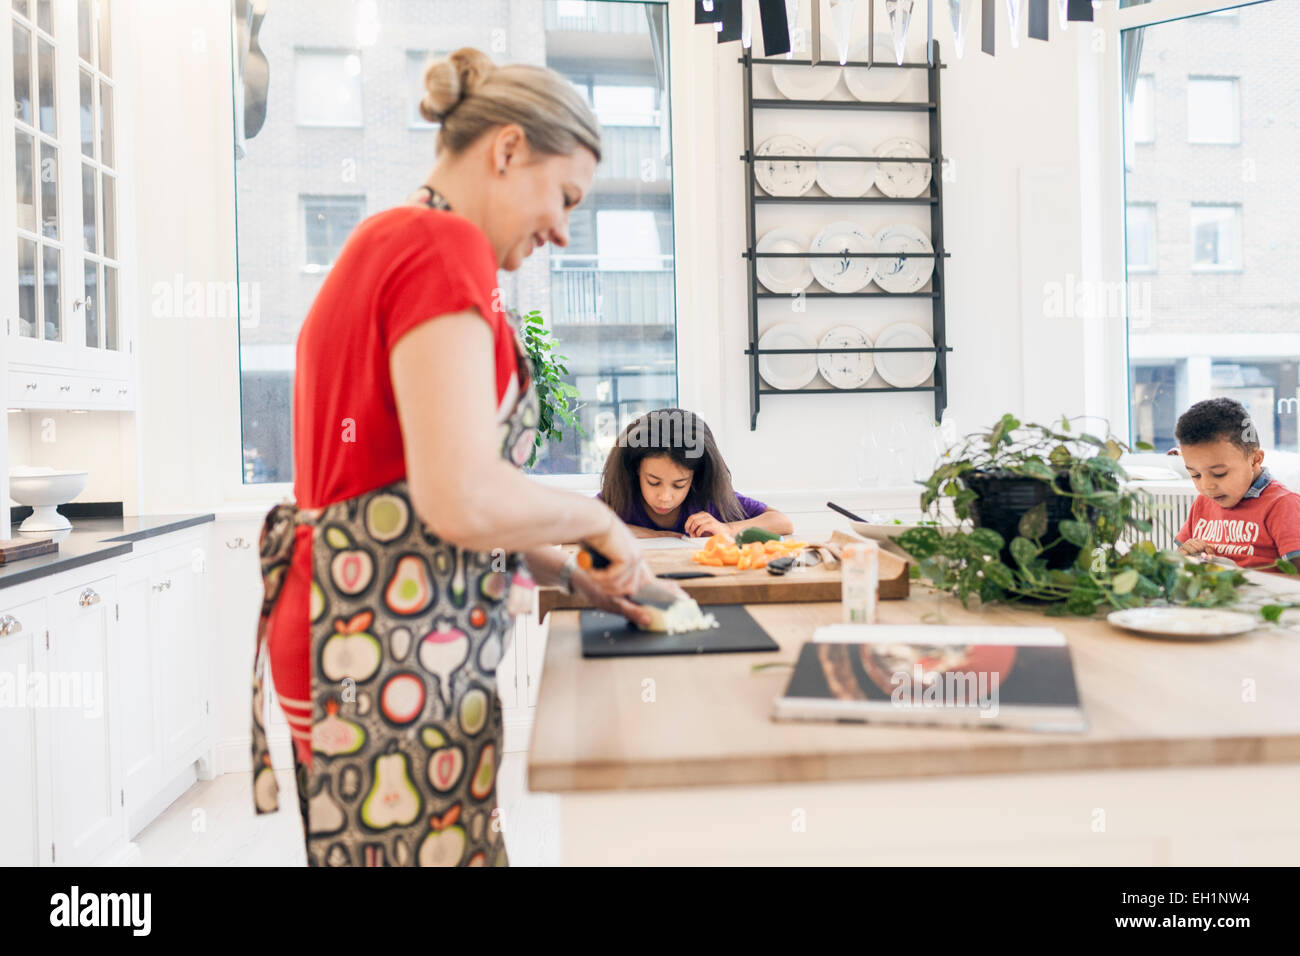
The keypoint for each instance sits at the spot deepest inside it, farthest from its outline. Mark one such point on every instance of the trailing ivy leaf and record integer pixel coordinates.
(1271, 612)
(1023, 550)
(1060, 455)
(1037, 469)
(1000, 574)
(1285, 566)
(1033, 523)
(1075, 532)
(920, 543)
(988, 540)
(1082, 603)
(1124, 582)
(1113, 449)
(1144, 446)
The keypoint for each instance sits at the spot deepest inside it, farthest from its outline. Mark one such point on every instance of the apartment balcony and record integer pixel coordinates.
(596, 18)
(590, 290)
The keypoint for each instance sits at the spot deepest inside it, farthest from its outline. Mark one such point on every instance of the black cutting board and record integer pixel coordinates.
(612, 635)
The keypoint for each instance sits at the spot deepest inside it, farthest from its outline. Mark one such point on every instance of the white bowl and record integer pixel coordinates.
(44, 489)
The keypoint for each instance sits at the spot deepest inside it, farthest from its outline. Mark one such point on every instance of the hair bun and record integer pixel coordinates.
(447, 82)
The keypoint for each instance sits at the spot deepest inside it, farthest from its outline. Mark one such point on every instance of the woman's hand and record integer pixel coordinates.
(639, 615)
(627, 570)
(702, 524)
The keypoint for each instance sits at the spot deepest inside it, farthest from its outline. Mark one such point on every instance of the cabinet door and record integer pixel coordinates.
(139, 680)
(84, 743)
(180, 639)
(20, 630)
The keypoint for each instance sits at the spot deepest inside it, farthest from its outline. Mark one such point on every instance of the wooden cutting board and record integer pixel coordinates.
(729, 586)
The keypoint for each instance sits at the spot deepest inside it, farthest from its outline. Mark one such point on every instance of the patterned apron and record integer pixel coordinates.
(406, 634)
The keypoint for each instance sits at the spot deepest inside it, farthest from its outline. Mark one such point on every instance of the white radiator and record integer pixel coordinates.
(1167, 507)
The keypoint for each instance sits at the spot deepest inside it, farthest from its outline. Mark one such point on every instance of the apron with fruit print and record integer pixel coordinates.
(406, 634)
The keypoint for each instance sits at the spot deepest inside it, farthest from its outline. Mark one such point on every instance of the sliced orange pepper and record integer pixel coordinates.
(760, 561)
(743, 562)
(730, 555)
(771, 547)
(712, 562)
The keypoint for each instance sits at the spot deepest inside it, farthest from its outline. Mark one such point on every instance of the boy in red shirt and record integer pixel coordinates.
(1242, 512)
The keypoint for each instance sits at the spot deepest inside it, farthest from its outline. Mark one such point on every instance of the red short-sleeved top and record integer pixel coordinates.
(398, 269)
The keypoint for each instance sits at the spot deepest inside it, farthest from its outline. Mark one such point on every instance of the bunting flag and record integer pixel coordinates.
(708, 11)
(1079, 10)
(776, 28)
(732, 18)
(1038, 16)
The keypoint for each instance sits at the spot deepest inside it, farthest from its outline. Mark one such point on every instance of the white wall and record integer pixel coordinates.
(1010, 122)
(189, 367)
(1007, 119)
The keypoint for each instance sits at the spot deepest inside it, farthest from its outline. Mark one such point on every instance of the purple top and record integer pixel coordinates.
(638, 516)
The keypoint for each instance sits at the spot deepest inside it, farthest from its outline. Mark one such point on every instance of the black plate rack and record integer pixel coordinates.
(933, 197)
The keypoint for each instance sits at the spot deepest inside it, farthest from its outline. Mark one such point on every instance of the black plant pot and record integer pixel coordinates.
(1004, 498)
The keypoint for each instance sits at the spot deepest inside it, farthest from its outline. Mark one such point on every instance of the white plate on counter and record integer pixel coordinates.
(844, 179)
(904, 369)
(847, 369)
(802, 82)
(783, 275)
(902, 180)
(791, 178)
(850, 273)
(882, 83)
(1184, 623)
(787, 371)
(903, 274)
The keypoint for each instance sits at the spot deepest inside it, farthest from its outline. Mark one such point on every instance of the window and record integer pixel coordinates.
(1204, 318)
(1213, 110)
(327, 223)
(608, 298)
(1216, 238)
(1144, 109)
(328, 87)
(1140, 237)
(416, 61)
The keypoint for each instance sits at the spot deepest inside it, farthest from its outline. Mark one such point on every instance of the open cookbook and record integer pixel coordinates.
(1003, 677)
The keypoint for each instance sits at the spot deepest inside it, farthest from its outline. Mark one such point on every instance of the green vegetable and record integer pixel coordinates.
(750, 535)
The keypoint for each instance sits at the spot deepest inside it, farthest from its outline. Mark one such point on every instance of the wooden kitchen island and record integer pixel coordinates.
(1192, 756)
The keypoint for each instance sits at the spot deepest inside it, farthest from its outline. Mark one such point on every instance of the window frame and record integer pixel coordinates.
(1111, 386)
(1154, 265)
(304, 199)
(694, 239)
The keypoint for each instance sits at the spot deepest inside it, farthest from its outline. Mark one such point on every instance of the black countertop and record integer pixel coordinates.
(95, 539)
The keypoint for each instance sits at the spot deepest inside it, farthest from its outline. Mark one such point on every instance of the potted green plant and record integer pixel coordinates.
(554, 395)
(1041, 515)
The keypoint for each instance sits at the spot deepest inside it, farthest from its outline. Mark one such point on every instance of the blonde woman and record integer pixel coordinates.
(387, 581)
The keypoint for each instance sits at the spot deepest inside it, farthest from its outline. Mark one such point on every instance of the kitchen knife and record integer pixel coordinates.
(649, 595)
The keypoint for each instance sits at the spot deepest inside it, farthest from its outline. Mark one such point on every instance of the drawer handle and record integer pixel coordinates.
(31, 386)
(239, 543)
(121, 391)
(94, 390)
(88, 597)
(163, 585)
(9, 625)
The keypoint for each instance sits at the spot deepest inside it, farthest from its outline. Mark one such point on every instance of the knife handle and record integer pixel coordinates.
(589, 558)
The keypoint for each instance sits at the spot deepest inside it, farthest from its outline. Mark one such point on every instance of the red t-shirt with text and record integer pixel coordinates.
(1255, 532)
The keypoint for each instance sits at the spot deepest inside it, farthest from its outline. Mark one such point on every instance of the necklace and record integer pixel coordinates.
(434, 199)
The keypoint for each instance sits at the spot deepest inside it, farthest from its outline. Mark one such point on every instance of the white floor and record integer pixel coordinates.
(213, 824)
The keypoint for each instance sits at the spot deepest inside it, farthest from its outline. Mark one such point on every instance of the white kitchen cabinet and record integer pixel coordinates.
(22, 630)
(83, 736)
(141, 687)
(119, 648)
(185, 693)
(166, 698)
(67, 276)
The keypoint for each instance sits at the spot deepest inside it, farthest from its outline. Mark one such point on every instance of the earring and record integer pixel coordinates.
(502, 171)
